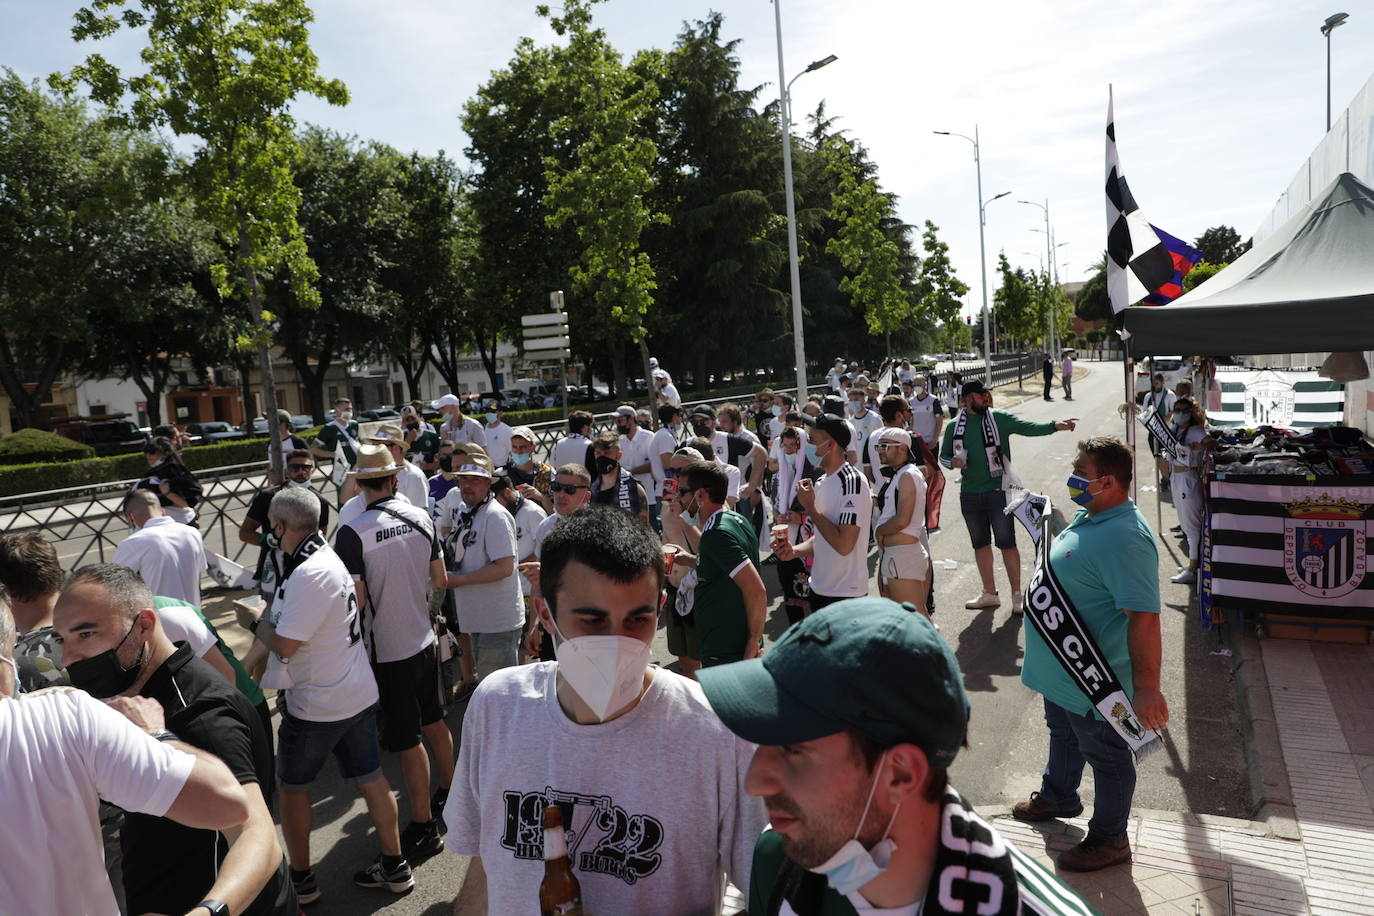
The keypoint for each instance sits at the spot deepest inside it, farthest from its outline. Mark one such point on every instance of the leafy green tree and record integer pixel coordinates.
(1015, 298)
(225, 71)
(1220, 245)
(59, 179)
(1201, 273)
(1092, 302)
(600, 189)
(874, 284)
(942, 292)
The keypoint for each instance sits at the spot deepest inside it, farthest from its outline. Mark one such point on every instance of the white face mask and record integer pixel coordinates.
(298, 483)
(852, 866)
(344, 416)
(606, 672)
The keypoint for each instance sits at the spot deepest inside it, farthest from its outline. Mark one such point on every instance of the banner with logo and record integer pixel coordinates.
(1301, 550)
(1277, 397)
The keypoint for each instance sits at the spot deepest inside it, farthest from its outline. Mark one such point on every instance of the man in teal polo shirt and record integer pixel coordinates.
(730, 600)
(1108, 566)
(858, 711)
(982, 497)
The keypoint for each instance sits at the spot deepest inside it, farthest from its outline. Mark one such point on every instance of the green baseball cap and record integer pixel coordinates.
(867, 664)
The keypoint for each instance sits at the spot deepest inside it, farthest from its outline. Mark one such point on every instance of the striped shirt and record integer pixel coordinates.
(843, 498)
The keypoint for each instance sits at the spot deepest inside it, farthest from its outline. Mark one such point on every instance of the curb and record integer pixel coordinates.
(1017, 396)
(1270, 791)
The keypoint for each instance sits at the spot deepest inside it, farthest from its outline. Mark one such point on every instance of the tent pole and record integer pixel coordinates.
(1128, 376)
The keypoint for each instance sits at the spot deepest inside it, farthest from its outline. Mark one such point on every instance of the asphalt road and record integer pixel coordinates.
(1202, 770)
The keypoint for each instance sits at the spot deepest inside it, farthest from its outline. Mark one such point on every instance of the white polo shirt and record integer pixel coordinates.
(634, 452)
(844, 498)
(168, 555)
(498, 443)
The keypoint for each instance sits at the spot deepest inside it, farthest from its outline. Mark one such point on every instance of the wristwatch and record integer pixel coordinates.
(214, 906)
(162, 734)
(253, 627)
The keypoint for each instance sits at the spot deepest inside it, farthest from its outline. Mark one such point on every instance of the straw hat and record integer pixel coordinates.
(373, 461)
(388, 432)
(474, 466)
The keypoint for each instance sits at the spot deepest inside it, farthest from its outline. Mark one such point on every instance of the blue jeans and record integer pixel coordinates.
(494, 651)
(1075, 740)
(304, 744)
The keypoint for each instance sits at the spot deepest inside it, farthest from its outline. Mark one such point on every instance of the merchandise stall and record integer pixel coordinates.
(1290, 492)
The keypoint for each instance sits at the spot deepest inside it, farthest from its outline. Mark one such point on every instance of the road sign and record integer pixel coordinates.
(546, 343)
(539, 321)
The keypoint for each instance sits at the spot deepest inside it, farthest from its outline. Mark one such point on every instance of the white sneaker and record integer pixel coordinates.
(1018, 603)
(1185, 577)
(987, 599)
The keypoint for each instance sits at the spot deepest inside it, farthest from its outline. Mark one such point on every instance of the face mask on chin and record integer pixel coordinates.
(852, 866)
(102, 676)
(606, 672)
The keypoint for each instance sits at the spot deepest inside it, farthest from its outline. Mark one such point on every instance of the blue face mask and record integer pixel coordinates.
(852, 866)
(1078, 489)
(521, 459)
(811, 457)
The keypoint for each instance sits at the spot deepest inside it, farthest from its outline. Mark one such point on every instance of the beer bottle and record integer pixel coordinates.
(559, 892)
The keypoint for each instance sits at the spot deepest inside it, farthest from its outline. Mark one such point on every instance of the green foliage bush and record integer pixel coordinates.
(26, 446)
(58, 475)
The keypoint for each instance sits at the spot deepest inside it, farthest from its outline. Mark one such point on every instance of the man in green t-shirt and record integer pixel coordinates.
(730, 601)
(339, 433)
(858, 712)
(422, 442)
(986, 460)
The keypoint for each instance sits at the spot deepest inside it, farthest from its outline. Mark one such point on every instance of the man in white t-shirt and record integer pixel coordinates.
(667, 391)
(486, 587)
(832, 378)
(457, 427)
(169, 556)
(61, 752)
(497, 434)
(865, 422)
(528, 516)
(927, 416)
(634, 448)
(319, 664)
(411, 482)
(639, 843)
(576, 446)
(661, 448)
(392, 554)
(840, 507)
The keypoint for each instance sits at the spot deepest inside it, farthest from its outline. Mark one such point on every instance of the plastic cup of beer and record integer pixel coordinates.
(670, 552)
(779, 533)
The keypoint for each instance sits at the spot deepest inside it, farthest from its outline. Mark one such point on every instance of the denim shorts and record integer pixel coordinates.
(303, 745)
(987, 520)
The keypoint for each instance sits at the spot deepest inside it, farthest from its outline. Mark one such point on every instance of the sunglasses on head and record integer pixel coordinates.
(569, 488)
(300, 467)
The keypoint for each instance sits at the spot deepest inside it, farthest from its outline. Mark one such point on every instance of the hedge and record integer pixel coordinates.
(39, 477)
(26, 446)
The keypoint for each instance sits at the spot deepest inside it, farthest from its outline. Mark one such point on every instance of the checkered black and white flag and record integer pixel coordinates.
(1143, 262)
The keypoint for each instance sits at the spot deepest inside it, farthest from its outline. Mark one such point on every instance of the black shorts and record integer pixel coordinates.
(409, 692)
(819, 601)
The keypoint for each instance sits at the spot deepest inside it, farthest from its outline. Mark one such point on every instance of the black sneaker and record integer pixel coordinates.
(422, 841)
(436, 808)
(399, 880)
(307, 891)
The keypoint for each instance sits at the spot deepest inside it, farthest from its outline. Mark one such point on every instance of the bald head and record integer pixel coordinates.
(141, 505)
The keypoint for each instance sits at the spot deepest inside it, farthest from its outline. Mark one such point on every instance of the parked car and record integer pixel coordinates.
(1173, 368)
(300, 421)
(113, 436)
(379, 413)
(215, 431)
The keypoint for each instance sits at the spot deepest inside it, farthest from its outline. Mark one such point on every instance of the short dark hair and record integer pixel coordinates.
(605, 539)
(701, 445)
(128, 592)
(1111, 457)
(161, 445)
(733, 412)
(890, 406)
(666, 412)
(869, 751)
(606, 442)
(708, 476)
(297, 453)
(784, 397)
(374, 483)
(789, 432)
(578, 421)
(572, 469)
(29, 568)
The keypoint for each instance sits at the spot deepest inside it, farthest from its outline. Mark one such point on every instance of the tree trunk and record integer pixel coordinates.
(488, 357)
(313, 379)
(700, 372)
(261, 332)
(26, 403)
(445, 358)
(618, 366)
(648, 379)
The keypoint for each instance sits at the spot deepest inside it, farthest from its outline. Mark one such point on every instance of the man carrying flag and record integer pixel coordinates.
(1093, 652)
(1143, 261)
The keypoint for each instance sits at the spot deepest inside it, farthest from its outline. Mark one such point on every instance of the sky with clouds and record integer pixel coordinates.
(1217, 104)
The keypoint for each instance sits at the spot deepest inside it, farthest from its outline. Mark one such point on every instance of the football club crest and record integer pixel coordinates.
(1123, 717)
(1269, 401)
(1324, 545)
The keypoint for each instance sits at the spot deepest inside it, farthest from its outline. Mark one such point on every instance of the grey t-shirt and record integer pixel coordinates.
(653, 801)
(487, 607)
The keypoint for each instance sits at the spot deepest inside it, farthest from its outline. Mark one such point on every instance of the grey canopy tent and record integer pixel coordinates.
(1309, 287)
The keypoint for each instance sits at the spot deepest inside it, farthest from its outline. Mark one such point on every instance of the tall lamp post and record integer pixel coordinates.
(982, 252)
(1049, 259)
(1330, 25)
(785, 128)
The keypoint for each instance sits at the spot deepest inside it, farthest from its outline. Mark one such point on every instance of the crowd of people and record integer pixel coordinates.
(455, 568)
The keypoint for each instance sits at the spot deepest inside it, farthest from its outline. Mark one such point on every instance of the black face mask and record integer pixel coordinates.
(702, 430)
(623, 428)
(606, 465)
(102, 676)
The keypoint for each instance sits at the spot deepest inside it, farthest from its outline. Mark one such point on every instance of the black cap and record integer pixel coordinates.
(973, 387)
(703, 410)
(831, 425)
(833, 404)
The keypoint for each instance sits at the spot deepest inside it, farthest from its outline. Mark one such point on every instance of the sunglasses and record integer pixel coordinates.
(568, 488)
(300, 467)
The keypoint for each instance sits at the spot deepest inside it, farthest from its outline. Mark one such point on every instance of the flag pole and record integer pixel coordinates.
(1128, 375)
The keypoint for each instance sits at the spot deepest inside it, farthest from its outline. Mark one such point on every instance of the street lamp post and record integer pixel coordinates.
(1330, 25)
(785, 128)
(982, 252)
(1049, 259)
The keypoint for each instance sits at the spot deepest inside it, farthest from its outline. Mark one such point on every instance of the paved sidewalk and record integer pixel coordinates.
(1323, 707)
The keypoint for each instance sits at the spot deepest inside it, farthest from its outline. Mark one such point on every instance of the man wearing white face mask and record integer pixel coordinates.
(858, 711)
(497, 433)
(640, 843)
